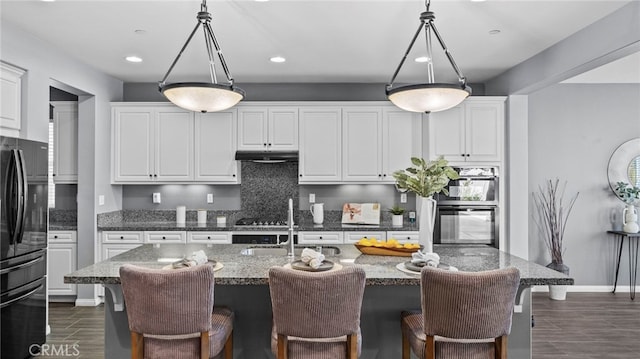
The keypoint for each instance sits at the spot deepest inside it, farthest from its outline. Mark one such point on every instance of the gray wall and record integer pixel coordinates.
(47, 66)
(573, 130)
(227, 197)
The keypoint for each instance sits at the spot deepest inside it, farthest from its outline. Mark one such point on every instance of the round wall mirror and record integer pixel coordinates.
(624, 164)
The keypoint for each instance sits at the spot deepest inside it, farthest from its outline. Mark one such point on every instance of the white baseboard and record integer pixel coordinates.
(93, 302)
(588, 288)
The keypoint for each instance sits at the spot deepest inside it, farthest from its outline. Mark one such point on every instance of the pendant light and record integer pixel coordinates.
(203, 96)
(430, 96)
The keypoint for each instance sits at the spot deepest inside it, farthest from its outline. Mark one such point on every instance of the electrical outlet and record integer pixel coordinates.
(156, 197)
(101, 200)
(209, 197)
(403, 198)
(312, 198)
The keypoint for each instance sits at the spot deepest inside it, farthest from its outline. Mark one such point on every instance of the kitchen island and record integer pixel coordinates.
(242, 284)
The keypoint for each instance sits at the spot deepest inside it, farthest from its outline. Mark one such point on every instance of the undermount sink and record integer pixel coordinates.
(282, 251)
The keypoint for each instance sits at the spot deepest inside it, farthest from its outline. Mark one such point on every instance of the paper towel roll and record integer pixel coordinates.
(181, 213)
(202, 216)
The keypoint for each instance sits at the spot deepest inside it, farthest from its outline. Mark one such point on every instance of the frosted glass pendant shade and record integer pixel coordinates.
(431, 97)
(201, 96)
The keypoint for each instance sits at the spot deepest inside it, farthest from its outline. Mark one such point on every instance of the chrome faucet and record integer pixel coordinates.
(290, 240)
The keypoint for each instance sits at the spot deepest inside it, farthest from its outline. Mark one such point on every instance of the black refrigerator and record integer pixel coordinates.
(23, 249)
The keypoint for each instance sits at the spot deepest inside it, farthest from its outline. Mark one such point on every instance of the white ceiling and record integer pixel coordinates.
(322, 40)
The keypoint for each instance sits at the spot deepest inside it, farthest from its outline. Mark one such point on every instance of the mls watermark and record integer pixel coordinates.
(55, 350)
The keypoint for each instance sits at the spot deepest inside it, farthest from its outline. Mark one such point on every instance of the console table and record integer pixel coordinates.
(632, 239)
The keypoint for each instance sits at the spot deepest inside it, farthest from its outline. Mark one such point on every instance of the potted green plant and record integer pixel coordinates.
(426, 178)
(551, 220)
(630, 195)
(397, 213)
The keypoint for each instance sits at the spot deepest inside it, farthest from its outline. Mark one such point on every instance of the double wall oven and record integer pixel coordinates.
(469, 213)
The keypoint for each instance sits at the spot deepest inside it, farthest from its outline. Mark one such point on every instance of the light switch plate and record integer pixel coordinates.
(312, 198)
(403, 198)
(156, 197)
(101, 200)
(209, 197)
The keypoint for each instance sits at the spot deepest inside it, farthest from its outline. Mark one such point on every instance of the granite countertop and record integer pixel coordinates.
(195, 226)
(241, 269)
(63, 226)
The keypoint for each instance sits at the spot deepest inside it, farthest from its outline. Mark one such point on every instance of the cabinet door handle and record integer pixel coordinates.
(155, 175)
(320, 237)
(163, 237)
(234, 175)
(150, 175)
(121, 237)
(463, 155)
(379, 175)
(264, 144)
(55, 236)
(300, 175)
(384, 175)
(208, 237)
(269, 145)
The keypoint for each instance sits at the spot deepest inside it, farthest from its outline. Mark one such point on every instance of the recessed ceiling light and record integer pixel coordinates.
(48, 0)
(494, 32)
(140, 32)
(277, 59)
(422, 59)
(133, 58)
(478, 0)
(261, 0)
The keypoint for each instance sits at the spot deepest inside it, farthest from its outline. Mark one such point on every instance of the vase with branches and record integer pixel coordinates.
(551, 219)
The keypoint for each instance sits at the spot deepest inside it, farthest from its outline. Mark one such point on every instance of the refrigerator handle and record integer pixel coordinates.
(22, 195)
(12, 201)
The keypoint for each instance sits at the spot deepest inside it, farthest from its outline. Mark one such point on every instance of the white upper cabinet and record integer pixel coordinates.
(65, 141)
(273, 128)
(378, 141)
(320, 145)
(362, 144)
(10, 98)
(152, 144)
(470, 132)
(401, 140)
(215, 147)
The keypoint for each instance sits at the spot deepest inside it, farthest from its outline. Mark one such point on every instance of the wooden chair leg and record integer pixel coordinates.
(282, 346)
(137, 346)
(406, 348)
(228, 347)
(204, 345)
(501, 347)
(352, 346)
(430, 347)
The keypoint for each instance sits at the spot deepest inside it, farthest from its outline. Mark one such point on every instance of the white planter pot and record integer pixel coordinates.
(396, 220)
(558, 292)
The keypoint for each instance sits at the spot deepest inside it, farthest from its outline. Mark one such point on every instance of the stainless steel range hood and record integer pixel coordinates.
(267, 157)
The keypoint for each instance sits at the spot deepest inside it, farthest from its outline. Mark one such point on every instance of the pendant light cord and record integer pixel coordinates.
(204, 19)
(427, 21)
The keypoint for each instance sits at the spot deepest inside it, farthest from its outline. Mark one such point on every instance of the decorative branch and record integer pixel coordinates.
(552, 216)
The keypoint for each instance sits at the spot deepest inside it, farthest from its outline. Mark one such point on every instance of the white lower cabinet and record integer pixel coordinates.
(353, 237)
(62, 260)
(165, 237)
(320, 238)
(209, 237)
(114, 243)
(404, 236)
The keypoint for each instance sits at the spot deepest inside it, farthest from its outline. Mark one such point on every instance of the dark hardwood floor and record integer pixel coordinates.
(585, 326)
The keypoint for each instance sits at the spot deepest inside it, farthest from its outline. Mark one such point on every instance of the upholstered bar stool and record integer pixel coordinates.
(171, 313)
(316, 315)
(464, 314)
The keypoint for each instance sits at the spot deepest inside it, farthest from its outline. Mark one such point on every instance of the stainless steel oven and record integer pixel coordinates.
(468, 214)
(476, 186)
(466, 225)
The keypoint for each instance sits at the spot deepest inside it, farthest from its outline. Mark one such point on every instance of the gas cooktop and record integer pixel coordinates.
(261, 222)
